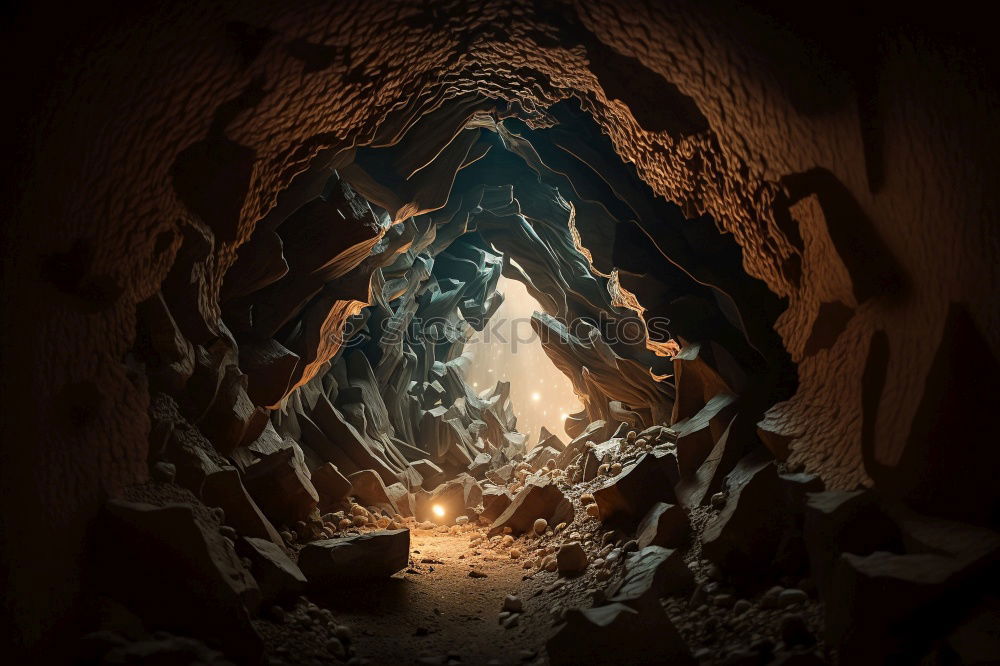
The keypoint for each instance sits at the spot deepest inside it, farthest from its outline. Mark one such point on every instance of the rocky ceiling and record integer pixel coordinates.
(813, 220)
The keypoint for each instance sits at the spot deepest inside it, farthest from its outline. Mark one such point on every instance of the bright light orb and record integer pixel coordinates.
(536, 396)
(438, 510)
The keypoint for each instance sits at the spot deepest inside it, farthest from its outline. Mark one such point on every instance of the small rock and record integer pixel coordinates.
(718, 501)
(336, 648)
(741, 606)
(540, 525)
(795, 632)
(477, 574)
(723, 600)
(770, 599)
(571, 559)
(593, 511)
(164, 472)
(511, 621)
(513, 604)
(792, 597)
(461, 520)
(515, 554)
(586, 498)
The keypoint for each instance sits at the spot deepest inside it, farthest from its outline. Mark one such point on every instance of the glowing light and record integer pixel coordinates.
(438, 510)
(564, 416)
(536, 396)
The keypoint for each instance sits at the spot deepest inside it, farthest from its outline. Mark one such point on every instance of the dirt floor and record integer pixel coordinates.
(446, 607)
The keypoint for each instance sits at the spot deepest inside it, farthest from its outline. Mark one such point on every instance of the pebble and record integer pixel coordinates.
(587, 498)
(507, 541)
(723, 600)
(343, 632)
(603, 469)
(741, 606)
(770, 599)
(461, 520)
(477, 574)
(630, 546)
(540, 525)
(513, 604)
(795, 632)
(336, 648)
(718, 500)
(515, 554)
(791, 597)
(511, 621)
(164, 472)
(593, 511)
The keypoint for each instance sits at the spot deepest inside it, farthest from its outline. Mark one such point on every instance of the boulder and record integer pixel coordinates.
(224, 489)
(842, 521)
(402, 499)
(332, 487)
(495, 502)
(745, 535)
(628, 496)
(664, 525)
(280, 485)
(651, 573)
(459, 496)
(368, 487)
(538, 456)
(479, 465)
(539, 498)
(355, 558)
(617, 634)
(275, 573)
(170, 566)
(571, 559)
(431, 474)
(697, 436)
(546, 438)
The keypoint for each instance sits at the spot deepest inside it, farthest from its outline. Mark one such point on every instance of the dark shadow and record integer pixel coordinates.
(830, 322)
(873, 269)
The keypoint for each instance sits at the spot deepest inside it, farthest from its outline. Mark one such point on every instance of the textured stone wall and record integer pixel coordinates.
(861, 189)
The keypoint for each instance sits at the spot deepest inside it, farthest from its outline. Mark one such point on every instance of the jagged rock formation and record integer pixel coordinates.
(225, 216)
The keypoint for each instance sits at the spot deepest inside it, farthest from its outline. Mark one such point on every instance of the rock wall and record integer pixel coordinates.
(822, 212)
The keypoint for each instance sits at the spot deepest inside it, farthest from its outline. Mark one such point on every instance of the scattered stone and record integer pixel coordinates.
(741, 606)
(513, 604)
(540, 525)
(718, 501)
(792, 597)
(745, 535)
(200, 586)
(664, 525)
(164, 472)
(616, 633)
(332, 487)
(630, 494)
(540, 498)
(495, 502)
(280, 485)
(370, 490)
(462, 520)
(772, 598)
(275, 573)
(477, 574)
(650, 574)
(571, 559)
(355, 558)
(795, 632)
(224, 489)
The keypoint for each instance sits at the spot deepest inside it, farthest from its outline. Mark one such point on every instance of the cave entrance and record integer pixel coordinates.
(508, 349)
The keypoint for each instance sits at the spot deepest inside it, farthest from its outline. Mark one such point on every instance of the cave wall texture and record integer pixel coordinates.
(853, 163)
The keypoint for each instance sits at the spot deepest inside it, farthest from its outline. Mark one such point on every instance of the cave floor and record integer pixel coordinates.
(435, 612)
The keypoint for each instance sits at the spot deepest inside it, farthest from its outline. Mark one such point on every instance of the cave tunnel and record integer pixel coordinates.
(249, 248)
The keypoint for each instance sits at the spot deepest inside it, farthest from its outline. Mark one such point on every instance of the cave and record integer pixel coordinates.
(511, 332)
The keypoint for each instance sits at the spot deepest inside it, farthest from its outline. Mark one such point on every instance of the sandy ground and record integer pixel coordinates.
(435, 612)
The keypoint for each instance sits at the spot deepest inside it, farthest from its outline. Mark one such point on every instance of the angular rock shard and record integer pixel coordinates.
(356, 558)
(281, 487)
(664, 525)
(275, 573)
(628, 496)
(617, 634)
(540, 498)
